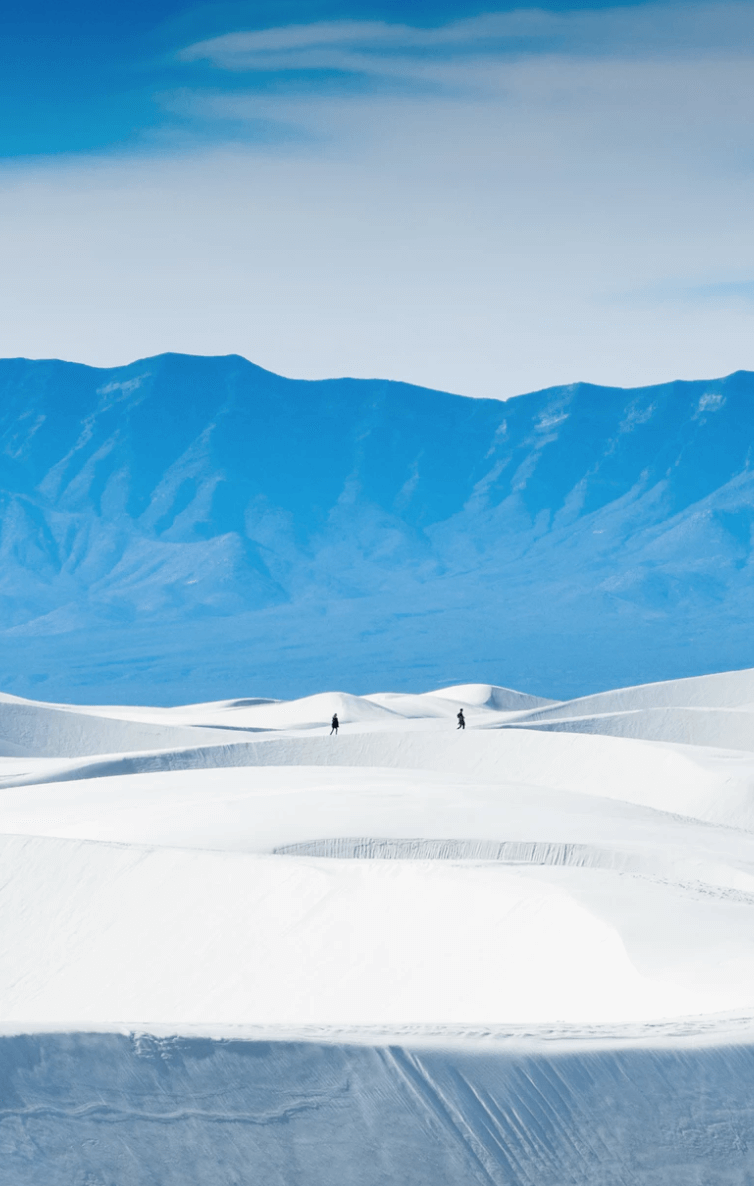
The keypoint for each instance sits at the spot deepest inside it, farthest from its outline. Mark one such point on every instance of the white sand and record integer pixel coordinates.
(592, 878)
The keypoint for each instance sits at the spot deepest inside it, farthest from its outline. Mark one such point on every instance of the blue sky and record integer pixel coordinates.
(85, 77)
(484, 199)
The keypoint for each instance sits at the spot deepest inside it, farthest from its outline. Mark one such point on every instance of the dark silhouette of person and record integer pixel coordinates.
(461, 719)
(335, 724)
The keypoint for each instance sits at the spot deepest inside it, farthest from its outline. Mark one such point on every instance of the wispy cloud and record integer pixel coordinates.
(377, 47)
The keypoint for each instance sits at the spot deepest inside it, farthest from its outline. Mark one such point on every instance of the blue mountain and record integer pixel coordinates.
(191, 528)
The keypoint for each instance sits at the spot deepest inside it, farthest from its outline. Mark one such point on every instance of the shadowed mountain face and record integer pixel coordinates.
(198, 527)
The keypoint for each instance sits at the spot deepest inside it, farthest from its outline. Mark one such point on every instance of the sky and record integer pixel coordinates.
(482, 199)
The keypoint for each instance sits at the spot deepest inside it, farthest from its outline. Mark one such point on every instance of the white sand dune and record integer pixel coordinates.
(185, 1111)
(727, 689)
(713, 785)
(490, 696)
(713, 710)
(232, 869)
(32, 728)
(540, 825)
(728, 728)
(28, 728)
(186, 936)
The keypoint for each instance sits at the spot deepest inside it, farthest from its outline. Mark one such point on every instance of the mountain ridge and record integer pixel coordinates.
(366, 530)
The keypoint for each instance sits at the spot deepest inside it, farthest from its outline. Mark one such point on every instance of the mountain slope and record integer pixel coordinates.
(184, 528)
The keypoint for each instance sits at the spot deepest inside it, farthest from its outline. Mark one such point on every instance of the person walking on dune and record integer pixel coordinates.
(335, 724)
(461, 719)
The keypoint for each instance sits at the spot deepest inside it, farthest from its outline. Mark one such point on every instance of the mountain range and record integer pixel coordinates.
(197, 528)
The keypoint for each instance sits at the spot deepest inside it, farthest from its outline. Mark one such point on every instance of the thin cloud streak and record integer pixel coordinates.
(375, 47)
